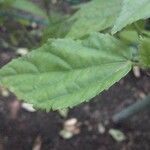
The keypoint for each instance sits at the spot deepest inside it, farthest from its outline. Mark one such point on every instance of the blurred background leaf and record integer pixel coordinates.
(30, 7)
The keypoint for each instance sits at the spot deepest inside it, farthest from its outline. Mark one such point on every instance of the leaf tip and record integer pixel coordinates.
(114, 30)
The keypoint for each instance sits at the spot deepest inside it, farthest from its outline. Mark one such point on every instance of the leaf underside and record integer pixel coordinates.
(96, 15)
(64, 72)
(132, 10)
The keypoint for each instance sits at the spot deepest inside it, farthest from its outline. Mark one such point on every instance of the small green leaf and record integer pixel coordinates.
(65, 72)
(96, 15)
(30, 7)
(117, 135)
(132, 10)
(129, 36)
(145, 52)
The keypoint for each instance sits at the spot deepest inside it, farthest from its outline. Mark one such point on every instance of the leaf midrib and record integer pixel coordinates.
(74, 69)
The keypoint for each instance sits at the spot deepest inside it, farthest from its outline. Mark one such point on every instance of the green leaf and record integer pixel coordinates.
(117, 135)
(145, 52)
(30, 7)
(129, 36)
(96, 15)
(57, 28)
(64, 72)
(132, 10)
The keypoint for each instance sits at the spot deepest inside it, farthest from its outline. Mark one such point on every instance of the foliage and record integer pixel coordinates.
(65, 72)
(145, 52)
(132, 10)
(10, 8)
(78, 63)
(28, 6)
(58, 26)
(96, 15)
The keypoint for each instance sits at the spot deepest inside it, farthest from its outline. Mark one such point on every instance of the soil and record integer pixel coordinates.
(22, 130)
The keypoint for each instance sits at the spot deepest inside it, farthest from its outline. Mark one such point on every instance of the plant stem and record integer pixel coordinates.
(140, 31)
(131, 110)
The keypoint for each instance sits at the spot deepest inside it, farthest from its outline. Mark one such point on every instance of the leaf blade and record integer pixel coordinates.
(145, 52)
(131, 11)
(64, 72)
(96, 15)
